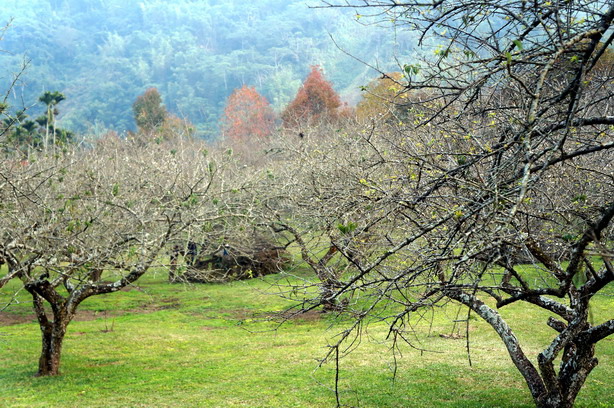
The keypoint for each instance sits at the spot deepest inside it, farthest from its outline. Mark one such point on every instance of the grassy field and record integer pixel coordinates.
(163, 345)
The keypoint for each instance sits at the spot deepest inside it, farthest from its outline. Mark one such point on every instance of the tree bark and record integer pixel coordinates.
(327, 299)
(523, 364)
(53, 332)
(172, 272)
(551, 389)
(53, 338)
(552, 401)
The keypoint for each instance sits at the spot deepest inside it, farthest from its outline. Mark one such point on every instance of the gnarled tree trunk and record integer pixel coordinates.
(53, 337)
(550, 388)
(53, 332)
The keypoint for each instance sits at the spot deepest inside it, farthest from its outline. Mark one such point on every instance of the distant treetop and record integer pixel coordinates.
(315, 101)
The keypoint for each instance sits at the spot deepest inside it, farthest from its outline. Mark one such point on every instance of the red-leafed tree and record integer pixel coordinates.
(316, 101)
(248, 116)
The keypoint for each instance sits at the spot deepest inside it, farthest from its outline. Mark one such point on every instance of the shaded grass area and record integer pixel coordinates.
(163, 345)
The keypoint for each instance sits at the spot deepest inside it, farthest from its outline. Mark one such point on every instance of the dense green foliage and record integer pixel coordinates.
(102, 54)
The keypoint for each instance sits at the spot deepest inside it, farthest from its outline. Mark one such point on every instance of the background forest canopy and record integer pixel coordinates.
(102, 54)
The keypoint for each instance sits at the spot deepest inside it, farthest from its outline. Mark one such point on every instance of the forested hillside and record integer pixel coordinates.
(102, 54)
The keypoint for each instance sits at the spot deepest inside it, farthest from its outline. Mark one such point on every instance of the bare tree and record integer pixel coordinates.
(93, 222)
(307, 196)
(511, 162)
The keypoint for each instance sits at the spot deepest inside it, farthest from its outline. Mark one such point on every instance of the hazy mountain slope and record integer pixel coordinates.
(103, 53)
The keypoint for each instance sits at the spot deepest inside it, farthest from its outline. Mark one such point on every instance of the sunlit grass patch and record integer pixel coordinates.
(175, 345)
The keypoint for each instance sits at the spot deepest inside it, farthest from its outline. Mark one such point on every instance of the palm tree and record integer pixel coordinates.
(50, 99)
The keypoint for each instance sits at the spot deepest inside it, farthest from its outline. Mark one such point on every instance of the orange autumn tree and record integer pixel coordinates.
(316, 101)
(248, 116)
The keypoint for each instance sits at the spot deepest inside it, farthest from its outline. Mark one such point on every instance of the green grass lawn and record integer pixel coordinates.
(163, 345)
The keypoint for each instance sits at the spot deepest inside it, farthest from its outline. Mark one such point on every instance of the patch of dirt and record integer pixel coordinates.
(308, 316)
(169, 303)
(9, 319)
(244, 314)
(130, 288)
(89, 315)
(162, 304)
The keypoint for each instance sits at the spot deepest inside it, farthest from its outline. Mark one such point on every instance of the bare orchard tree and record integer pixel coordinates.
(511, 163)
(228, 242)
(93, 222)
(308, 196)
